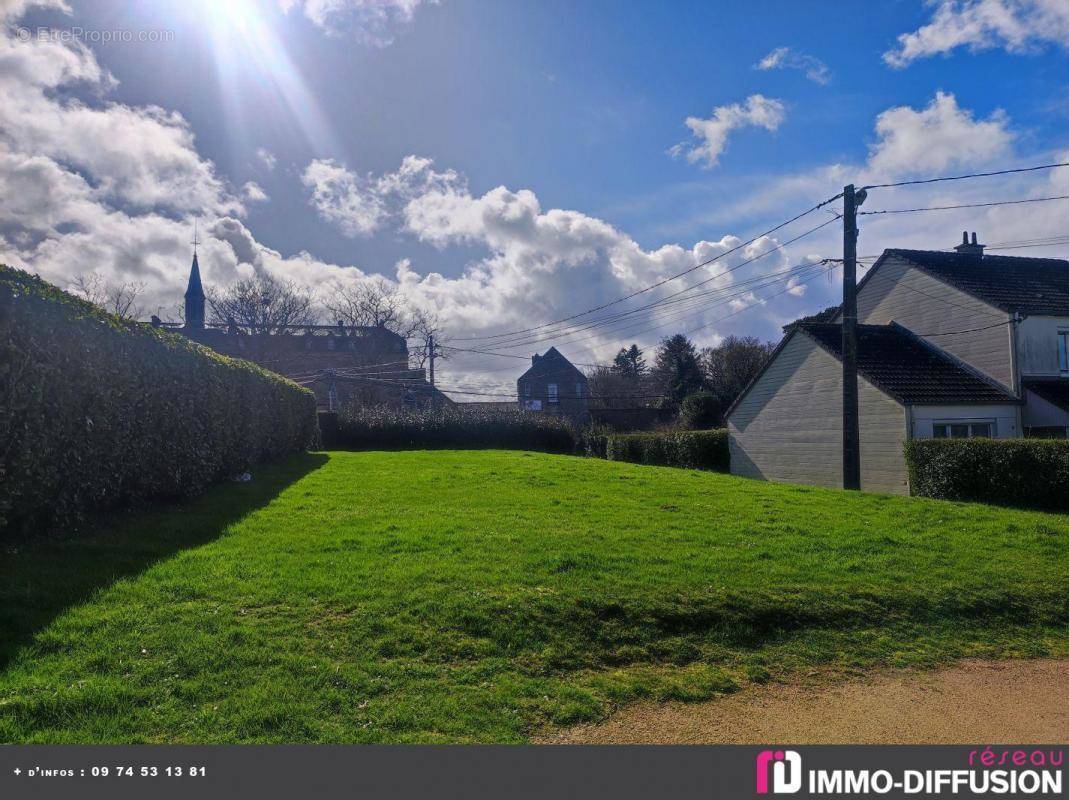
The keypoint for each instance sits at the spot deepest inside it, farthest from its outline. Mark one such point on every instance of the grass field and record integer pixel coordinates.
(479, 596)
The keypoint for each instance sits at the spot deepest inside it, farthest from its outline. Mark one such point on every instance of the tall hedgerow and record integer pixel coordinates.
(383, 428)
(96, 412)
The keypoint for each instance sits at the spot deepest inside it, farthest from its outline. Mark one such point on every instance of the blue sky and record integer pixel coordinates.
(573, 106)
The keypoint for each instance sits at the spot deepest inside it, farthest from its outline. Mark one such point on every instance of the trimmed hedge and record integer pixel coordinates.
(700, 411)
(689, 449)
(97, 412)
(1028, 473)
(383, 428)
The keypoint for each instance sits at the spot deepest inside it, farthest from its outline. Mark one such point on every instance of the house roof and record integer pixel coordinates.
(1053, 390)
(551, 364)
(1011, 283)
(909, 369)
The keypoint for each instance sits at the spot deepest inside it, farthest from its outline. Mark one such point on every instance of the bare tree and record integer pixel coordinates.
(119, 299)
(374, 304)
(613, 388)
(263, 304)
(731, 365)
(378, 304)
(422, 330)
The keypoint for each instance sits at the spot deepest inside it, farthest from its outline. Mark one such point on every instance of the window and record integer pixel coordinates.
(963, 430)
(578, 390)
(527, 390)
(1063, 351)
(551, 392)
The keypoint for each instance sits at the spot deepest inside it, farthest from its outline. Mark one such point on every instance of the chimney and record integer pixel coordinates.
(968, 248)
(535, 360)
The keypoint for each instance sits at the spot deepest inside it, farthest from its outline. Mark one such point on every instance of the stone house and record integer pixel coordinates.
(553, 385)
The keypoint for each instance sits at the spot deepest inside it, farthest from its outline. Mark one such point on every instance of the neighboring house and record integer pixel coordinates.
(554, 385)
(949, 345)
(341, 364)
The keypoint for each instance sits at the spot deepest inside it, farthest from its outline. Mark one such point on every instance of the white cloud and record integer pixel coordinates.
(712, 133)
(360, 204)
(373, 22)
(786, 58)
(1014, 25)
(540, 263)
(266, 158)
(938, 136)
(343, 197)
(253, 192)
(114, 189)
(69, 205)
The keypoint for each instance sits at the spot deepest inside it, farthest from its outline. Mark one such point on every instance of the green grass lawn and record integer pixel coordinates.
(479, 596)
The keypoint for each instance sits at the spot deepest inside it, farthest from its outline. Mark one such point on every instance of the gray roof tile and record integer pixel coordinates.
(908, 368)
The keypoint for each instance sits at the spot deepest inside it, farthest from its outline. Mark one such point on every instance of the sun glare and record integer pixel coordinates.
(247, 50)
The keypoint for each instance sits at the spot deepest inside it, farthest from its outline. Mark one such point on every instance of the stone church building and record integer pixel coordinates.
(366, 365)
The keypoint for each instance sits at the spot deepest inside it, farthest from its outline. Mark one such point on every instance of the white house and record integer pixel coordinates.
(950, 344)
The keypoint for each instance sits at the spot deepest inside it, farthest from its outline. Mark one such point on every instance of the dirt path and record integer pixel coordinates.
(1014, 702)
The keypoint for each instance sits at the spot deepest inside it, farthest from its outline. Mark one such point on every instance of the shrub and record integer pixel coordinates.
(383, 428)
(700, 411)
(690, 449)
(594, 439)
(1028, 473)
(96, 412)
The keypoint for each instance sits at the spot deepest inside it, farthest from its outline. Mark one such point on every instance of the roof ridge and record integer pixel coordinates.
(986, 256)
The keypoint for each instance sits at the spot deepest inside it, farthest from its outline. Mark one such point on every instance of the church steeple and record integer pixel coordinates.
(195, 292)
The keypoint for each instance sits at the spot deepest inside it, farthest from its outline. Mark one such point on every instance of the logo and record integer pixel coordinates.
(783, 762)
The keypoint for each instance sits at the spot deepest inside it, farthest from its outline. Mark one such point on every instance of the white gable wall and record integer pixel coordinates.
(788, 427)
(899, 292)
(1040, 413)
(1037, 345)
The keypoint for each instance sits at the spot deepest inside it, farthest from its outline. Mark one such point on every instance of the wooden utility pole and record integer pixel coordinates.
(851, 425)
(430, 353)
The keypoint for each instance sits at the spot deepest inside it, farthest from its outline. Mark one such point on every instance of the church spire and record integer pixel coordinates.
(195, 291)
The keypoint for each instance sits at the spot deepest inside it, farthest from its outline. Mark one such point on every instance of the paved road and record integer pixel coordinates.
(1011, 702)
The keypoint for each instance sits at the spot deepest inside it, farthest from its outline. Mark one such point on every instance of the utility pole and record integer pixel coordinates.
(430, 354)
(851, 425)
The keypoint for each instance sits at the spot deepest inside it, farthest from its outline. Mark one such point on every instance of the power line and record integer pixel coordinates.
(609, 323)
(667, 300)
(457, 390)
(1010, 244)
(969, 330)
(788, 275)
(967, 205)
(747, 308)
(970, 309)
(969, 175)
(658, 283)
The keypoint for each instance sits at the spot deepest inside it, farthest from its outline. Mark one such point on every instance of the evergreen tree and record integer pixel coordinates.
(677, 371)
(629, 362)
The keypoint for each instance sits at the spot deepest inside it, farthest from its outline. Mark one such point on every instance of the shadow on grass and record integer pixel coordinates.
(40, 580)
